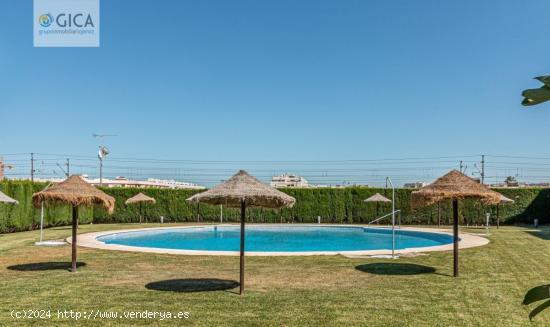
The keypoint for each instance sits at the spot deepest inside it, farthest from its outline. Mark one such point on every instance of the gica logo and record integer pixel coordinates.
(45, 20)
(66, 20)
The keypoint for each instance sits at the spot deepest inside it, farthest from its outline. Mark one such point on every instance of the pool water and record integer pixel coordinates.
(277, 238)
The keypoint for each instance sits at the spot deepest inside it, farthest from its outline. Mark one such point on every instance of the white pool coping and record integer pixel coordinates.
(89, 240)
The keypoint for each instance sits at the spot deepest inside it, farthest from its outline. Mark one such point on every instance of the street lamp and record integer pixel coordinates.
(103, 152)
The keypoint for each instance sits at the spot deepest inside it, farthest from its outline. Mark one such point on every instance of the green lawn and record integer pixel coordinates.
(281, 291)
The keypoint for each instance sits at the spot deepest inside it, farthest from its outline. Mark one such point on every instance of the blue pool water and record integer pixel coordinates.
(277, 238)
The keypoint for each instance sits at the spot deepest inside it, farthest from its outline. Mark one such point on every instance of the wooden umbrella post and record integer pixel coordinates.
(498, 217)
(438, 214)
(242, 190)
(140, 213)
(243, 217)
(198, 212)
(454, 186)
(74, 191)
(75, 226)
(455, 237)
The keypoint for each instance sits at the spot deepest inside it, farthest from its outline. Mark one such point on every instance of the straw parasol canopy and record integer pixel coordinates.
(6, 199)
(76, 192)
(140, 198)
(243, 190)
(454, 185)
(377, 198)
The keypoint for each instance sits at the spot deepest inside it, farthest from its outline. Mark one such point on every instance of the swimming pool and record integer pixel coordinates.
(276, 239)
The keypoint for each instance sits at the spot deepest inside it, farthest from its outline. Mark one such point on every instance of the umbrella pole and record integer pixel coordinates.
(73, 240)
(41, 222)
(439, 214)
(198, 212)
(140, 213)
(243, 216)
(498, 217)
(455, 237)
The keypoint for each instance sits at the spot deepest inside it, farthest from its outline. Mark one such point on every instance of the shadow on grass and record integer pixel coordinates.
(537, 294)
(192, 285)
(43, 266)
(542, 234)
(382, 268)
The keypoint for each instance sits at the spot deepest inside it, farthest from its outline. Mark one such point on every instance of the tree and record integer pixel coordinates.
(540, 95)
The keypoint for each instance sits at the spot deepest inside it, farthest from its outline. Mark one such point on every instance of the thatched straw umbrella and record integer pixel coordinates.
(503, 200)
(6, 199)
(243, 190)
(140, 198)
(378, 198)
(454, 186)
(76, 192)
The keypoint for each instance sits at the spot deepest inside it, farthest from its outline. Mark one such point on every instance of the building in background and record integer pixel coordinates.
(415, 185)
(512, 182)
(343, 185)
(3, 166)
(289, 180)
(125, 182)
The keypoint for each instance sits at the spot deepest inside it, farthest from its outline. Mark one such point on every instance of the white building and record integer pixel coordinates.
(289, 180)
(125, 182)
(415, 185)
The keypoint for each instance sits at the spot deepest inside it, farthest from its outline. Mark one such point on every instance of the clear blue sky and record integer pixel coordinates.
(282, 80)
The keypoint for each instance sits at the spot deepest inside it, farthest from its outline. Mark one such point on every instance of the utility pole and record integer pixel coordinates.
(461, 166)
(32, 167)
(482, 169)
(65, 171)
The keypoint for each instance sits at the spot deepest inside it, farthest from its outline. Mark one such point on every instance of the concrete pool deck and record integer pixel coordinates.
(89, 240)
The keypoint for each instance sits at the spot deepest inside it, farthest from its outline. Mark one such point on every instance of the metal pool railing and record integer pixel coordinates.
(387, 215)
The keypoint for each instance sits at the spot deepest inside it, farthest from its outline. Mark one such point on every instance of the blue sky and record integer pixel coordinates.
(281, 80)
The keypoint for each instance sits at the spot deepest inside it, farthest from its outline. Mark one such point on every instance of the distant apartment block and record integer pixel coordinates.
(415, 185)
(3, 166)
(289, 180)
(343, 185)
(512, 182)
(125, 182)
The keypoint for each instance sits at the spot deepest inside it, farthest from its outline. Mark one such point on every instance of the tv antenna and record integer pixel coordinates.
(101, 136)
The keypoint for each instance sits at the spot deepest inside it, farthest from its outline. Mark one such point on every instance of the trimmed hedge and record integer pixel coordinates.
(332, 205)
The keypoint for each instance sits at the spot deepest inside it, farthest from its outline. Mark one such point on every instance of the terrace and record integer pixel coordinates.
(289, 291)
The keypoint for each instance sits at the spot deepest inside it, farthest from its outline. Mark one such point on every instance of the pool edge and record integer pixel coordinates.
(89, 240)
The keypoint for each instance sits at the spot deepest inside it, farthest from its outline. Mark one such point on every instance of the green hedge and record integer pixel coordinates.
(332, 205)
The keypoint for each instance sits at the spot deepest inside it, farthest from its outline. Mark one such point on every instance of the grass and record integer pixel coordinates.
(280, 291)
